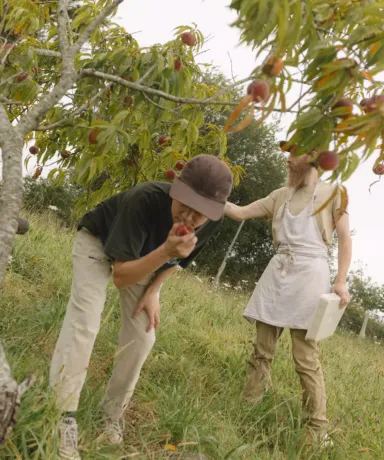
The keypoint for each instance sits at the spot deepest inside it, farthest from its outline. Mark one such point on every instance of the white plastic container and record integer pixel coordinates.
(325, 318)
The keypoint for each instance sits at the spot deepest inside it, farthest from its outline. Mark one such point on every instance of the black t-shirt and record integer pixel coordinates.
(133, 223)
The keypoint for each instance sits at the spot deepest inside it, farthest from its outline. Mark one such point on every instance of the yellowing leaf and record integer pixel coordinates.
(282, 100)
(344, 197)
(365, 450)
(324, 80)
(374, 48)
(323, 206)
(242, 125)
(235, 114)
(344, 203)
(36, 258)
(19, 27)
(170, 447)
(14, 449)
(367, 76)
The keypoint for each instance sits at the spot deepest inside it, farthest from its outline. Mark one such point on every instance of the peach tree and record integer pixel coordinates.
(79, 91)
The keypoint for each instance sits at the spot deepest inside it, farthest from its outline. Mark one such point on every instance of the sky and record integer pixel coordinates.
(152, 21)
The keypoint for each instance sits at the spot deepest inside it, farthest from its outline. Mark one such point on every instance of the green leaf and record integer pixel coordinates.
(121, 116)
(193, 133)
(283, 22)
(147, 58)
(160, 63)
(308, 119)
(52, 173)
(92, 168)
(81, 20)
(353, 163)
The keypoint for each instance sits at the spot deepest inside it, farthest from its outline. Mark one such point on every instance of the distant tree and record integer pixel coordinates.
(365, 292)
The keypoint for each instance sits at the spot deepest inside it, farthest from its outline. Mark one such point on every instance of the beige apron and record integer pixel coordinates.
(291, 285)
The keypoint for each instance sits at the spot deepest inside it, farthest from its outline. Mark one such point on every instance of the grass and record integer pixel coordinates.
(189, 394)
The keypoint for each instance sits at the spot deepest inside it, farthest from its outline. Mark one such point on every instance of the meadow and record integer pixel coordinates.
(188, 403)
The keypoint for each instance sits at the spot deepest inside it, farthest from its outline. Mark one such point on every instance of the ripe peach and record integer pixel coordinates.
(259, 90)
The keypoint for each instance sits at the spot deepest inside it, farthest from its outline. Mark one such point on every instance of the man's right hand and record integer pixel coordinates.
(179, 246)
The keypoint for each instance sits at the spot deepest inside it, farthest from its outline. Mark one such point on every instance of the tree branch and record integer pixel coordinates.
(81, 109)
(92, 27)
(147, 74)
(30, 121)
(229, 88)
(12, 77)
(169, 97)
(230, 60)
(5, 13)
(49, 53)
(68, 74)
(154, 92)
(7, 52)
(4, 100)
(158, 105)
(62, 30)
(5, 125)
(299, 99)
(68, 21)
(295, 80)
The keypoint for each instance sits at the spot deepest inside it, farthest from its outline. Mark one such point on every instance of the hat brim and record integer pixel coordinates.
(211, 209)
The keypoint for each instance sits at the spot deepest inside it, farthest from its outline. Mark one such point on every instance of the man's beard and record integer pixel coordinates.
(297, 175)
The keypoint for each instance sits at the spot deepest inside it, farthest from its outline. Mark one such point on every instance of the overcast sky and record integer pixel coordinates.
(153, 21)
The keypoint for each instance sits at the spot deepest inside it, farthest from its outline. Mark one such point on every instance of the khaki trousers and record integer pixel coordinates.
(306, 358)
(91, 275)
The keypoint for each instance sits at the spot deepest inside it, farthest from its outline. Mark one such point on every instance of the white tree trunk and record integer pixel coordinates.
(215, 283)
(364, 326)
(11, 196)
(10, 202)
(11, 145)
(10, 394)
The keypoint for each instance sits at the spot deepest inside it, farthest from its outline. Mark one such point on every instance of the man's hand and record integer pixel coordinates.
(179, 246)
(341, 290)
(150, 303)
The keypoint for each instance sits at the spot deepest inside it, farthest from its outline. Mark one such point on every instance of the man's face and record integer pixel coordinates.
(298, 167)
(184, 215)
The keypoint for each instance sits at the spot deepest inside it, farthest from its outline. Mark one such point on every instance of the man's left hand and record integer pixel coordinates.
(150, 303)
(341, 290)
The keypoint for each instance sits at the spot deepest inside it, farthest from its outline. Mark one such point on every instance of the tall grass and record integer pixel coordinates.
(189, 394)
